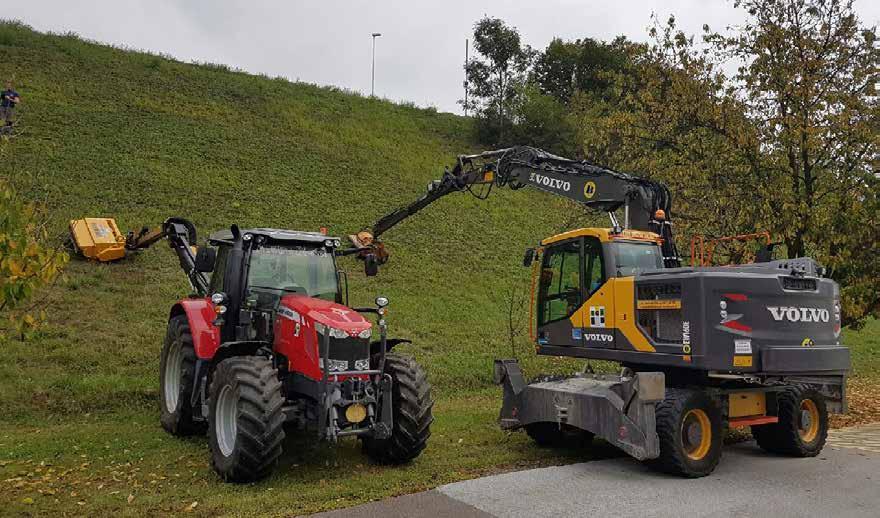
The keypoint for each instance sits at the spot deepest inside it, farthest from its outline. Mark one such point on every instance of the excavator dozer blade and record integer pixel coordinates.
(617, 409)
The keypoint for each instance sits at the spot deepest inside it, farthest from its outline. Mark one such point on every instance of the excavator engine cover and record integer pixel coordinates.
(97, 238)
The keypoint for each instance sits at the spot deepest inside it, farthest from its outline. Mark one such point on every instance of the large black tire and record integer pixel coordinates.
(552, 435)
(803, 424)
(176, 372)
(690, 431)
(411, 403)
(245, 418)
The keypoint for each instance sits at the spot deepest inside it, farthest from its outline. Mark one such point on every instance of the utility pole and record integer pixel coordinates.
(466, 43)
(373, 68)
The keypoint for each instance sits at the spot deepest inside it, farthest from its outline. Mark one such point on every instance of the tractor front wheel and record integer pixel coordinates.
(245, 420)
(177, 371)
(411, 409)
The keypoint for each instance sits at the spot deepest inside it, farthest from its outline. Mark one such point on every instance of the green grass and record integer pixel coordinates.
(105, 132)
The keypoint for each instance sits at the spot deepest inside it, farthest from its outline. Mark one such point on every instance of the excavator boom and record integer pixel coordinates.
(647, 203)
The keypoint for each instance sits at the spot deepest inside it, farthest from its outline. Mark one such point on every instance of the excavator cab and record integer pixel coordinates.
(579, 277)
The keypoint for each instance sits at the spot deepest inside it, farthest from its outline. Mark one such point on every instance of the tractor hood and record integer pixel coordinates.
(309, 309)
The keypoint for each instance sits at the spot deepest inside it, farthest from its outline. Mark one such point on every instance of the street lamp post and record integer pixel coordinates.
(373, 68)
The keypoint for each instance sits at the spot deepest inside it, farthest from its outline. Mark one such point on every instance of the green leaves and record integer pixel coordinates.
(26, 264)
(785, 144)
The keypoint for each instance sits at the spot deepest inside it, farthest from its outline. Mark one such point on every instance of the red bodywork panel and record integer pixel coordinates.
(295, 334)
(201, 315)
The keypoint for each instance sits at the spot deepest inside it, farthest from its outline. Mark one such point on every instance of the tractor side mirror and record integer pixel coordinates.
(371, 265)
(529, 257)
(205, 259)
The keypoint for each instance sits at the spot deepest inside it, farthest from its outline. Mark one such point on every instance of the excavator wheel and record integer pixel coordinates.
(690, 431)
(802, 427)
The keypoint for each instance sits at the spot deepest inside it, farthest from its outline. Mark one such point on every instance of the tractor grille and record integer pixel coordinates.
(659, 311)
(349, 349)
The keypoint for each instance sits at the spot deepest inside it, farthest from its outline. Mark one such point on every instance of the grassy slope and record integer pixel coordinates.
(137, 137)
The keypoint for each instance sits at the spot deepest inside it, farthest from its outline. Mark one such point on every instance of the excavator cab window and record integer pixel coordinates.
(560, 290)
(594, 267)
(633, 258)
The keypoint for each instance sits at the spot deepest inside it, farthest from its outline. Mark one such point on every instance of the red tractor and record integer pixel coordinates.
(265, 343)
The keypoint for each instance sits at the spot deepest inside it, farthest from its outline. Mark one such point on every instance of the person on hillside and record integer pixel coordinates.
(9, 98)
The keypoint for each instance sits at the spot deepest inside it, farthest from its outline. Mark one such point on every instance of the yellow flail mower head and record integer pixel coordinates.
(100, 239)
(97, 238)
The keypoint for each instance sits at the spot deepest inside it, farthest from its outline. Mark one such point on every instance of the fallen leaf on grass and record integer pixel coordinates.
(191, 507)
(130, 498)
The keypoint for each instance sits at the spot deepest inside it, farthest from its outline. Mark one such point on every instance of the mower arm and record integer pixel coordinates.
(181, 235)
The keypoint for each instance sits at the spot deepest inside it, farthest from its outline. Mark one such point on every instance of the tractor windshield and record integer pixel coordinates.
(310, 271)
(633, 258)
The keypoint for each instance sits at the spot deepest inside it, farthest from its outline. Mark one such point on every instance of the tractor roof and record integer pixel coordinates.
(273, 234)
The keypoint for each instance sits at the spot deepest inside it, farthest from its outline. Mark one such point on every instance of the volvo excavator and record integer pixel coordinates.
(700, 348)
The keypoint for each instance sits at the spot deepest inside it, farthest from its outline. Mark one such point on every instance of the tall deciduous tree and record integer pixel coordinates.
(495, 76)
(785, 143)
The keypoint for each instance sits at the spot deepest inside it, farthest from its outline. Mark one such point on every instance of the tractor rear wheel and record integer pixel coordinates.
(690, 431)
(245, 419)
(555, 435)
(412, 403)
(802, 427)
(176, 376)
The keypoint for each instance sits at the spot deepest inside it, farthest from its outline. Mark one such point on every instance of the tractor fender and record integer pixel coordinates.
(200, 314)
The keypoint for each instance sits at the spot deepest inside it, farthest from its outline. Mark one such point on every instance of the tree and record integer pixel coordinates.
(26, 263)
(585, 65)
(495, 76)
(786, 143)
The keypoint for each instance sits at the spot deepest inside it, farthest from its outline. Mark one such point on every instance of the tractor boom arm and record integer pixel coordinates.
(647, 202)
(181, 235)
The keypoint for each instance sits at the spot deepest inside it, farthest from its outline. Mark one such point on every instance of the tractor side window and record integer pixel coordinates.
(594, 274)
(559, 292)
(219, 270)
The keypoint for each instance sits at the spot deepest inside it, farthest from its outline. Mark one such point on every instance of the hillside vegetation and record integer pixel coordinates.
(109, 132)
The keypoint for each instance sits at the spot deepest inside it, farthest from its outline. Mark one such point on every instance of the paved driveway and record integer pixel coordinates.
(843, 481)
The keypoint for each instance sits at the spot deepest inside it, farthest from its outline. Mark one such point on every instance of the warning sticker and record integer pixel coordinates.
(742, 361)
(742, 346)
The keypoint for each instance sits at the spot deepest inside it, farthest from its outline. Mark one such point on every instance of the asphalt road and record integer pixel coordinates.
(841, 482)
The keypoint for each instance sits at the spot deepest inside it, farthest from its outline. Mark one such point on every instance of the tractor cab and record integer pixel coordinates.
(278, 263)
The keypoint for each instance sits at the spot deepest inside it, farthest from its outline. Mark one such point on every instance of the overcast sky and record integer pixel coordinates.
(419, 56)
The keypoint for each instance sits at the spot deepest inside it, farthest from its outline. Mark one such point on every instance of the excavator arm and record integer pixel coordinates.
(646, 203)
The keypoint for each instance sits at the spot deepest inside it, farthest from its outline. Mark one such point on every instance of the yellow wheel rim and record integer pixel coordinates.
(696, 434)
(809, 423)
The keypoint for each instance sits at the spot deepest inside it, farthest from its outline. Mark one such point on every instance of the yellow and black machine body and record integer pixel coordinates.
(700, 348)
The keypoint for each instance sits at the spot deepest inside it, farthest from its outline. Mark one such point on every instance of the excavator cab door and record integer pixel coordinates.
(560, 293)
(571, 275)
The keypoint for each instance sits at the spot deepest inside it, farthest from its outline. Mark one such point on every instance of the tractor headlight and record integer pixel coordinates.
(362, 365)
(338, 333)
(334, 333)
(366, 334)
(334, 365)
